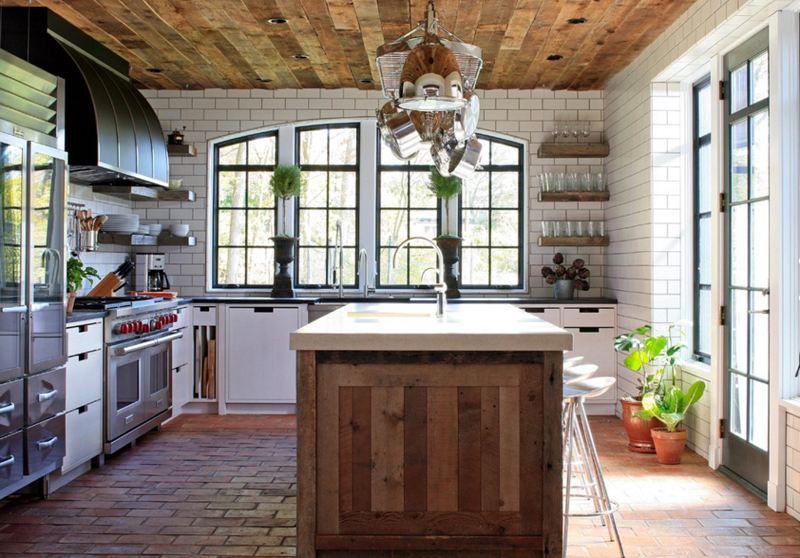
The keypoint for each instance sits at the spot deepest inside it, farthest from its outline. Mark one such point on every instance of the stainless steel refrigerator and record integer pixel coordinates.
(33, 352)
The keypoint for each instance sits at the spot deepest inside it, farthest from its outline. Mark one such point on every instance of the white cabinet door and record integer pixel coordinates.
(596, 345)
(260, 366)
(182, 379)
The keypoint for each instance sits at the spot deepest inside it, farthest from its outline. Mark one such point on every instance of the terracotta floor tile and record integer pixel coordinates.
(226, 486)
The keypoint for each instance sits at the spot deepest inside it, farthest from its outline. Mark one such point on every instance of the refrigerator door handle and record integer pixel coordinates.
(37, 306)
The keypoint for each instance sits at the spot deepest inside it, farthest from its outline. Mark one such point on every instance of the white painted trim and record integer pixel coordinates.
(784, 238)
(368, 197)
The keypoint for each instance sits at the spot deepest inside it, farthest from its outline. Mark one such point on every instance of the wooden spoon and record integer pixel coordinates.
(99, 220)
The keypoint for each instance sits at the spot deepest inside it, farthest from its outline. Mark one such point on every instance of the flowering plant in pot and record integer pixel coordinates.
(654, 358)
(566, 280)
(670, 408)
(446, 188)
(286, 183)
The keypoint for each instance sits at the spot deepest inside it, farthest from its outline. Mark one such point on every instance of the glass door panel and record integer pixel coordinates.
(747, 301)
(12, 256)
(48, 208)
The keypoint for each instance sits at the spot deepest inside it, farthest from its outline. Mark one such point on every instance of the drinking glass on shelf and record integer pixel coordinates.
(555, 228)
(600, 228)
(573, 185)
(600, 182)
(591, 228)
(580, 229)
(568, 228)
(586, 182)
(560, 181)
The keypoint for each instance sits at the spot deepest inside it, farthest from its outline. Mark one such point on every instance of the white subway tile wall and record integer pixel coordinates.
(793, 464)
(212, 113)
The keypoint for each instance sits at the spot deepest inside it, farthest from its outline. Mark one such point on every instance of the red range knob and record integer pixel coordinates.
(145, 328)
(173, 318)
(136, 326)
(125, 328)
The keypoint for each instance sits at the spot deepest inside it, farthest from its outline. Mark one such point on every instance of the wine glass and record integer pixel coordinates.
(575, 128)
(556, 130)
(565, 129)
(586, 129)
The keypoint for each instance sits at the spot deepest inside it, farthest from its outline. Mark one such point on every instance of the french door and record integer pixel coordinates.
(747, 249)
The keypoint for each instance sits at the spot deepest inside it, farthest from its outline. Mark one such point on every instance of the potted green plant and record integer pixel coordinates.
(566, 280)
(670, 409)
(76, 275)
(446, 188)
(653, 357)
(286, 183)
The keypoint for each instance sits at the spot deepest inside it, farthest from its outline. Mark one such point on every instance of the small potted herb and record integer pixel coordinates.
(566, 280)
(446, 188)
(76, 275)
(286, 183)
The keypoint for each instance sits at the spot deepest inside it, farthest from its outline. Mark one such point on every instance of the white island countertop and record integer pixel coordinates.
(367, 326)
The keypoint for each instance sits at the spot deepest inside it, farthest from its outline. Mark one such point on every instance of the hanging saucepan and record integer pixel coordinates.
(458, 159)
(398, 131)
(465, 120)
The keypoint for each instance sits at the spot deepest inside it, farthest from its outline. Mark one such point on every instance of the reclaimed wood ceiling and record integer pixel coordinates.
(202, 44)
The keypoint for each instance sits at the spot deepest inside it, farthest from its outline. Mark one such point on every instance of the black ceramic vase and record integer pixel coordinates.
(449, 247)
(282, 286)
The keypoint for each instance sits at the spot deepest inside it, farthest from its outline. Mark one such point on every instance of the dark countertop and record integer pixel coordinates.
(81, 315)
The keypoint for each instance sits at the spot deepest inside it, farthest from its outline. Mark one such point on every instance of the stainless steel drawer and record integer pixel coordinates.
(12, 406)
(11, 459)
(46, 395)
(45, 444)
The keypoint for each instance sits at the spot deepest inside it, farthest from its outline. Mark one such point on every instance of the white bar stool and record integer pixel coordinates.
(580, 458)
(572, 361)
(577, 373)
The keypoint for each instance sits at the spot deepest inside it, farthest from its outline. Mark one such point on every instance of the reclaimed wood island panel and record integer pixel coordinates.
(429, 437)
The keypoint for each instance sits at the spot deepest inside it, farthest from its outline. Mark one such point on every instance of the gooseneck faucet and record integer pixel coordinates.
(439, 287)
(339, 257)
(363, 273)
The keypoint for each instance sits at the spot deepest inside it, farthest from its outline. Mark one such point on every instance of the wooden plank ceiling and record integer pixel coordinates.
(201, 44)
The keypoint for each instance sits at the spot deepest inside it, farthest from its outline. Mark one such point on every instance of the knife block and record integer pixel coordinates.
(106, 286)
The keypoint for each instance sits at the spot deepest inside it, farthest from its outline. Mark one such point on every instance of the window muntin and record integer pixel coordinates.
(491, 219)
(244, 212)
(701, 339)
(329, 158)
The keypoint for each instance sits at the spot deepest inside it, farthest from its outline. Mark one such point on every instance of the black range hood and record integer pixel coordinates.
(113, 136)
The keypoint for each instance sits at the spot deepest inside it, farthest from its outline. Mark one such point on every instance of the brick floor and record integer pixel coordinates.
(225, 486)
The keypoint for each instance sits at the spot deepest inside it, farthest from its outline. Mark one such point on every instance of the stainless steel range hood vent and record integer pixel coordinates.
(113, 136)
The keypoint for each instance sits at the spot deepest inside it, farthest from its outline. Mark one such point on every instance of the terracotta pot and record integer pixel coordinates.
(449, 248)
(282, 286)
(669, 445)
(71, 301)
(638, 430)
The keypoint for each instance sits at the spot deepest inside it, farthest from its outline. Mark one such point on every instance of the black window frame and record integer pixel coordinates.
(355, 168)
(697, 286)
(215, 246)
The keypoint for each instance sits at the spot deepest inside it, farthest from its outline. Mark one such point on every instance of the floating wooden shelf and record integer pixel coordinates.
(145, 193)
(182, 150)
(572, 150)
(165, 239)
(574, 241)
(574, 196)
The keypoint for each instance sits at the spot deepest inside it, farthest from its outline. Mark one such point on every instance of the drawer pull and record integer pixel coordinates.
(535, 310)
(589, 329)
(7, 408)
(129, 419)
(261, 309)
(589, 310)
(47, 443)
(47, 395)
(159, 403)
(7, 462)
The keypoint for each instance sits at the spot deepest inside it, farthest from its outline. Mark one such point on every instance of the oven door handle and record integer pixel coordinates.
(122, 351)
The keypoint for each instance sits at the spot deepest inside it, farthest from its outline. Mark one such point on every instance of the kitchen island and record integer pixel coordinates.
(430, 437)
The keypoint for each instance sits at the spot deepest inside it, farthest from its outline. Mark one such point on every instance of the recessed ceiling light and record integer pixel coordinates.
(555, 57)
(300, 56)
(366, 80)
(155, 70)
(277, 20)
(577, 20)
(264, 80)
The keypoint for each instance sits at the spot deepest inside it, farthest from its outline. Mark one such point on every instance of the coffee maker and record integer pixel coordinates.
(150, 274)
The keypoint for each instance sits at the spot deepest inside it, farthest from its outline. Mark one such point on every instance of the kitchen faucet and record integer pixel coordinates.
(339, 256)
(439, 287)
(363, 273)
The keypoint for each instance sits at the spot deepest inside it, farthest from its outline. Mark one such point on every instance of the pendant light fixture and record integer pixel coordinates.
(429, 80)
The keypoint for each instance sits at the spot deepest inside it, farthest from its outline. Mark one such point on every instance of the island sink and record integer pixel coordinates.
(427, 436)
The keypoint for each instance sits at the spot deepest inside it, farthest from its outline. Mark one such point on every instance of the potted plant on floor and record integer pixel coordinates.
(446, 188)
(286, 183)
(653, 358)
(76, 275)
(566, 280)
(671, 409)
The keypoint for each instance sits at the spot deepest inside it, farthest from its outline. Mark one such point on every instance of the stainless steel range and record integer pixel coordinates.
(138, 346)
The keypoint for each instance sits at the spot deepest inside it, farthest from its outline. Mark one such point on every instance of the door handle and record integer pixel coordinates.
(7, 462)
(758, 311)
(14, 309)
(47, 395)
(7, 408)
(47, 443)
(37, 306)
